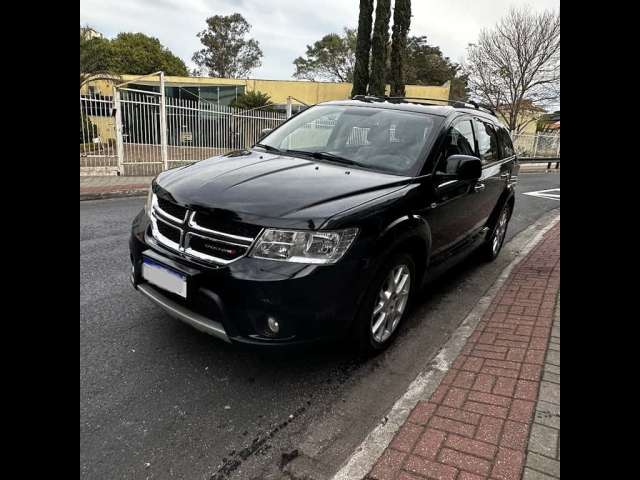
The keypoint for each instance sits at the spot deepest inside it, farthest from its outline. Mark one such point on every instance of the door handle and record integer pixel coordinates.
(478, 187)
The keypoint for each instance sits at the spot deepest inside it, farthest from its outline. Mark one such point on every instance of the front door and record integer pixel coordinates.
(456, 205)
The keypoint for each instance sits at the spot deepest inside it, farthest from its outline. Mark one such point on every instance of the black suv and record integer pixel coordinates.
(329, 224)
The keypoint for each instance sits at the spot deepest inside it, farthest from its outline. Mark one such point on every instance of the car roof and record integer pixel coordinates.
(439, 110)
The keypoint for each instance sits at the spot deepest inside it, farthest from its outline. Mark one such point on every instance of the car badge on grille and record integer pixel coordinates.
(217, 248)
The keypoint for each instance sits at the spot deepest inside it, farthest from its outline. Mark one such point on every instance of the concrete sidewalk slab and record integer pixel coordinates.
(93, 188)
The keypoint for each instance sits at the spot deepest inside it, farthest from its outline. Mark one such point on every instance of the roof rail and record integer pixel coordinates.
(454, 103)
(483, 106)
(369, 98)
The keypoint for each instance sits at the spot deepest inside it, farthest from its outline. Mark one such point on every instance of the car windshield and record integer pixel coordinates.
(377, 138)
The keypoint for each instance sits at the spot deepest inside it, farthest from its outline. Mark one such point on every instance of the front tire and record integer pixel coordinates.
(384, 306)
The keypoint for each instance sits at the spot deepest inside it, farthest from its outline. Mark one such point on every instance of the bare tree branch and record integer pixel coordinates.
(516, 65)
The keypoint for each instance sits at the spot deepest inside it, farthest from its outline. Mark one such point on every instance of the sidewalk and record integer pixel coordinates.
(538, 168)
(496, 413)
(92, 188)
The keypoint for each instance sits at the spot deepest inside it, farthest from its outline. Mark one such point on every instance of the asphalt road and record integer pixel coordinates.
(161, 400)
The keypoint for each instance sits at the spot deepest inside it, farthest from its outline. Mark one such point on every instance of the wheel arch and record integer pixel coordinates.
(507, 197)
(410, 233)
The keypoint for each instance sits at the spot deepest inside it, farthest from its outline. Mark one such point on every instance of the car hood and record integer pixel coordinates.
(291, 190)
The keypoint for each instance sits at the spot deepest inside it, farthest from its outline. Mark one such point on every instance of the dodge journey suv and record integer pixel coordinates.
(328, 225)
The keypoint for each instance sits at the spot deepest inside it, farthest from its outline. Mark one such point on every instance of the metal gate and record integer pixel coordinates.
(141, 133)
(98, 152)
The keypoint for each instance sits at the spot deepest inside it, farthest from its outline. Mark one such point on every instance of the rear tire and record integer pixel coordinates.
(493, 244)
(385, 304)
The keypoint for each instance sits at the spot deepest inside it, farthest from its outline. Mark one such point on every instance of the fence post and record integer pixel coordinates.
(163, 125)
(535, 145)
(117, 105)
(288, 107)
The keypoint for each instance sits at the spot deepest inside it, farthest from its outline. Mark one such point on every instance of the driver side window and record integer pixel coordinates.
(459, 141)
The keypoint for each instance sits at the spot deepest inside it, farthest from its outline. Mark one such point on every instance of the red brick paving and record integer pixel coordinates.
(476, 424)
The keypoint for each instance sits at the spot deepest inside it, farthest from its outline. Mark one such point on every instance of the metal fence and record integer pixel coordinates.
(97, 134)
(141, 133)
(537, 146)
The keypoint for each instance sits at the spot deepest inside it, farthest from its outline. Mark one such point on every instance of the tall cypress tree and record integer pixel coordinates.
(401, 24)
(363, 45)
(379, 47)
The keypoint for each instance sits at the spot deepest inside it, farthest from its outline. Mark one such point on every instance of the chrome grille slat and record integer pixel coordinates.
(219, 240)
(167, 215)
(189, 228)
(161, 238)
(193, 224)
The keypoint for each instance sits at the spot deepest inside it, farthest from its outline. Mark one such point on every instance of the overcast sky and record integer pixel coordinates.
(285, 27)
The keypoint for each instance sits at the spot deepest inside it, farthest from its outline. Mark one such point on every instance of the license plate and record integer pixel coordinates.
(164, 277)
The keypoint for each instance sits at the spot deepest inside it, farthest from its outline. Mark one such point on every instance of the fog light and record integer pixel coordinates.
(273, 324)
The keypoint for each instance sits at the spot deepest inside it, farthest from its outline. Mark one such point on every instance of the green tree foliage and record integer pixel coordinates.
(379, 45)
(128, 53)
(425, 65)
(401, 24)
(363, 47)
(96, 58)
(253, 99)
(331, 58)
(139, 54)
(227, 53)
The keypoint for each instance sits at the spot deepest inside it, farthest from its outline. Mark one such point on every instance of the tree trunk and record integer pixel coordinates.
(363, 46)
(379, 47)
(401, 23)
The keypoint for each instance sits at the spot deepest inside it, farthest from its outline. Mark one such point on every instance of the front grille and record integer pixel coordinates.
(170, 208)
(219, 224)
(198, 235)
(215, 247)
(169, 231)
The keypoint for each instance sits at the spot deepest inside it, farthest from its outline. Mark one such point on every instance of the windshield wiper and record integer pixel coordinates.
(325, 156)
(269, 148)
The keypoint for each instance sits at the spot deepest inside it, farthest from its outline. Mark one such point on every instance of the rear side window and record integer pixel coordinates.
(507, 146)
(487, 142)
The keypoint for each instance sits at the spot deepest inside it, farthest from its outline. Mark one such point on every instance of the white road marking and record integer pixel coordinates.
(423, 386)
(545, 194)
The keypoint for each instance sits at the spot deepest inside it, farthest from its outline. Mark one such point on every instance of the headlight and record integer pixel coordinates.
(304, 246)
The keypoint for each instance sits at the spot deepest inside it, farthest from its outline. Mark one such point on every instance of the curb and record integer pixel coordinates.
(372, 447)
(113, 194)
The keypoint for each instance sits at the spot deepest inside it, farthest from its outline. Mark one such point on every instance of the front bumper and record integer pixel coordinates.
(234, 301)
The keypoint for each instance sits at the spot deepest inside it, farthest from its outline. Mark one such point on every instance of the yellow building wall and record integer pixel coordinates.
(526, 116)
(106, 127)
(306, 92)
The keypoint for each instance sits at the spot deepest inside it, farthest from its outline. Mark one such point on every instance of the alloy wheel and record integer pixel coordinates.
(500, 231)
(392, 301)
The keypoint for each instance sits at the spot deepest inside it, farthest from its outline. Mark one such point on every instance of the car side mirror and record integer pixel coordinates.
(463, 167)
(264, 132)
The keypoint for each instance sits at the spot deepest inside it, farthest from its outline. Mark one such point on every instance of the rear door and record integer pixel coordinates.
(495, 170)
